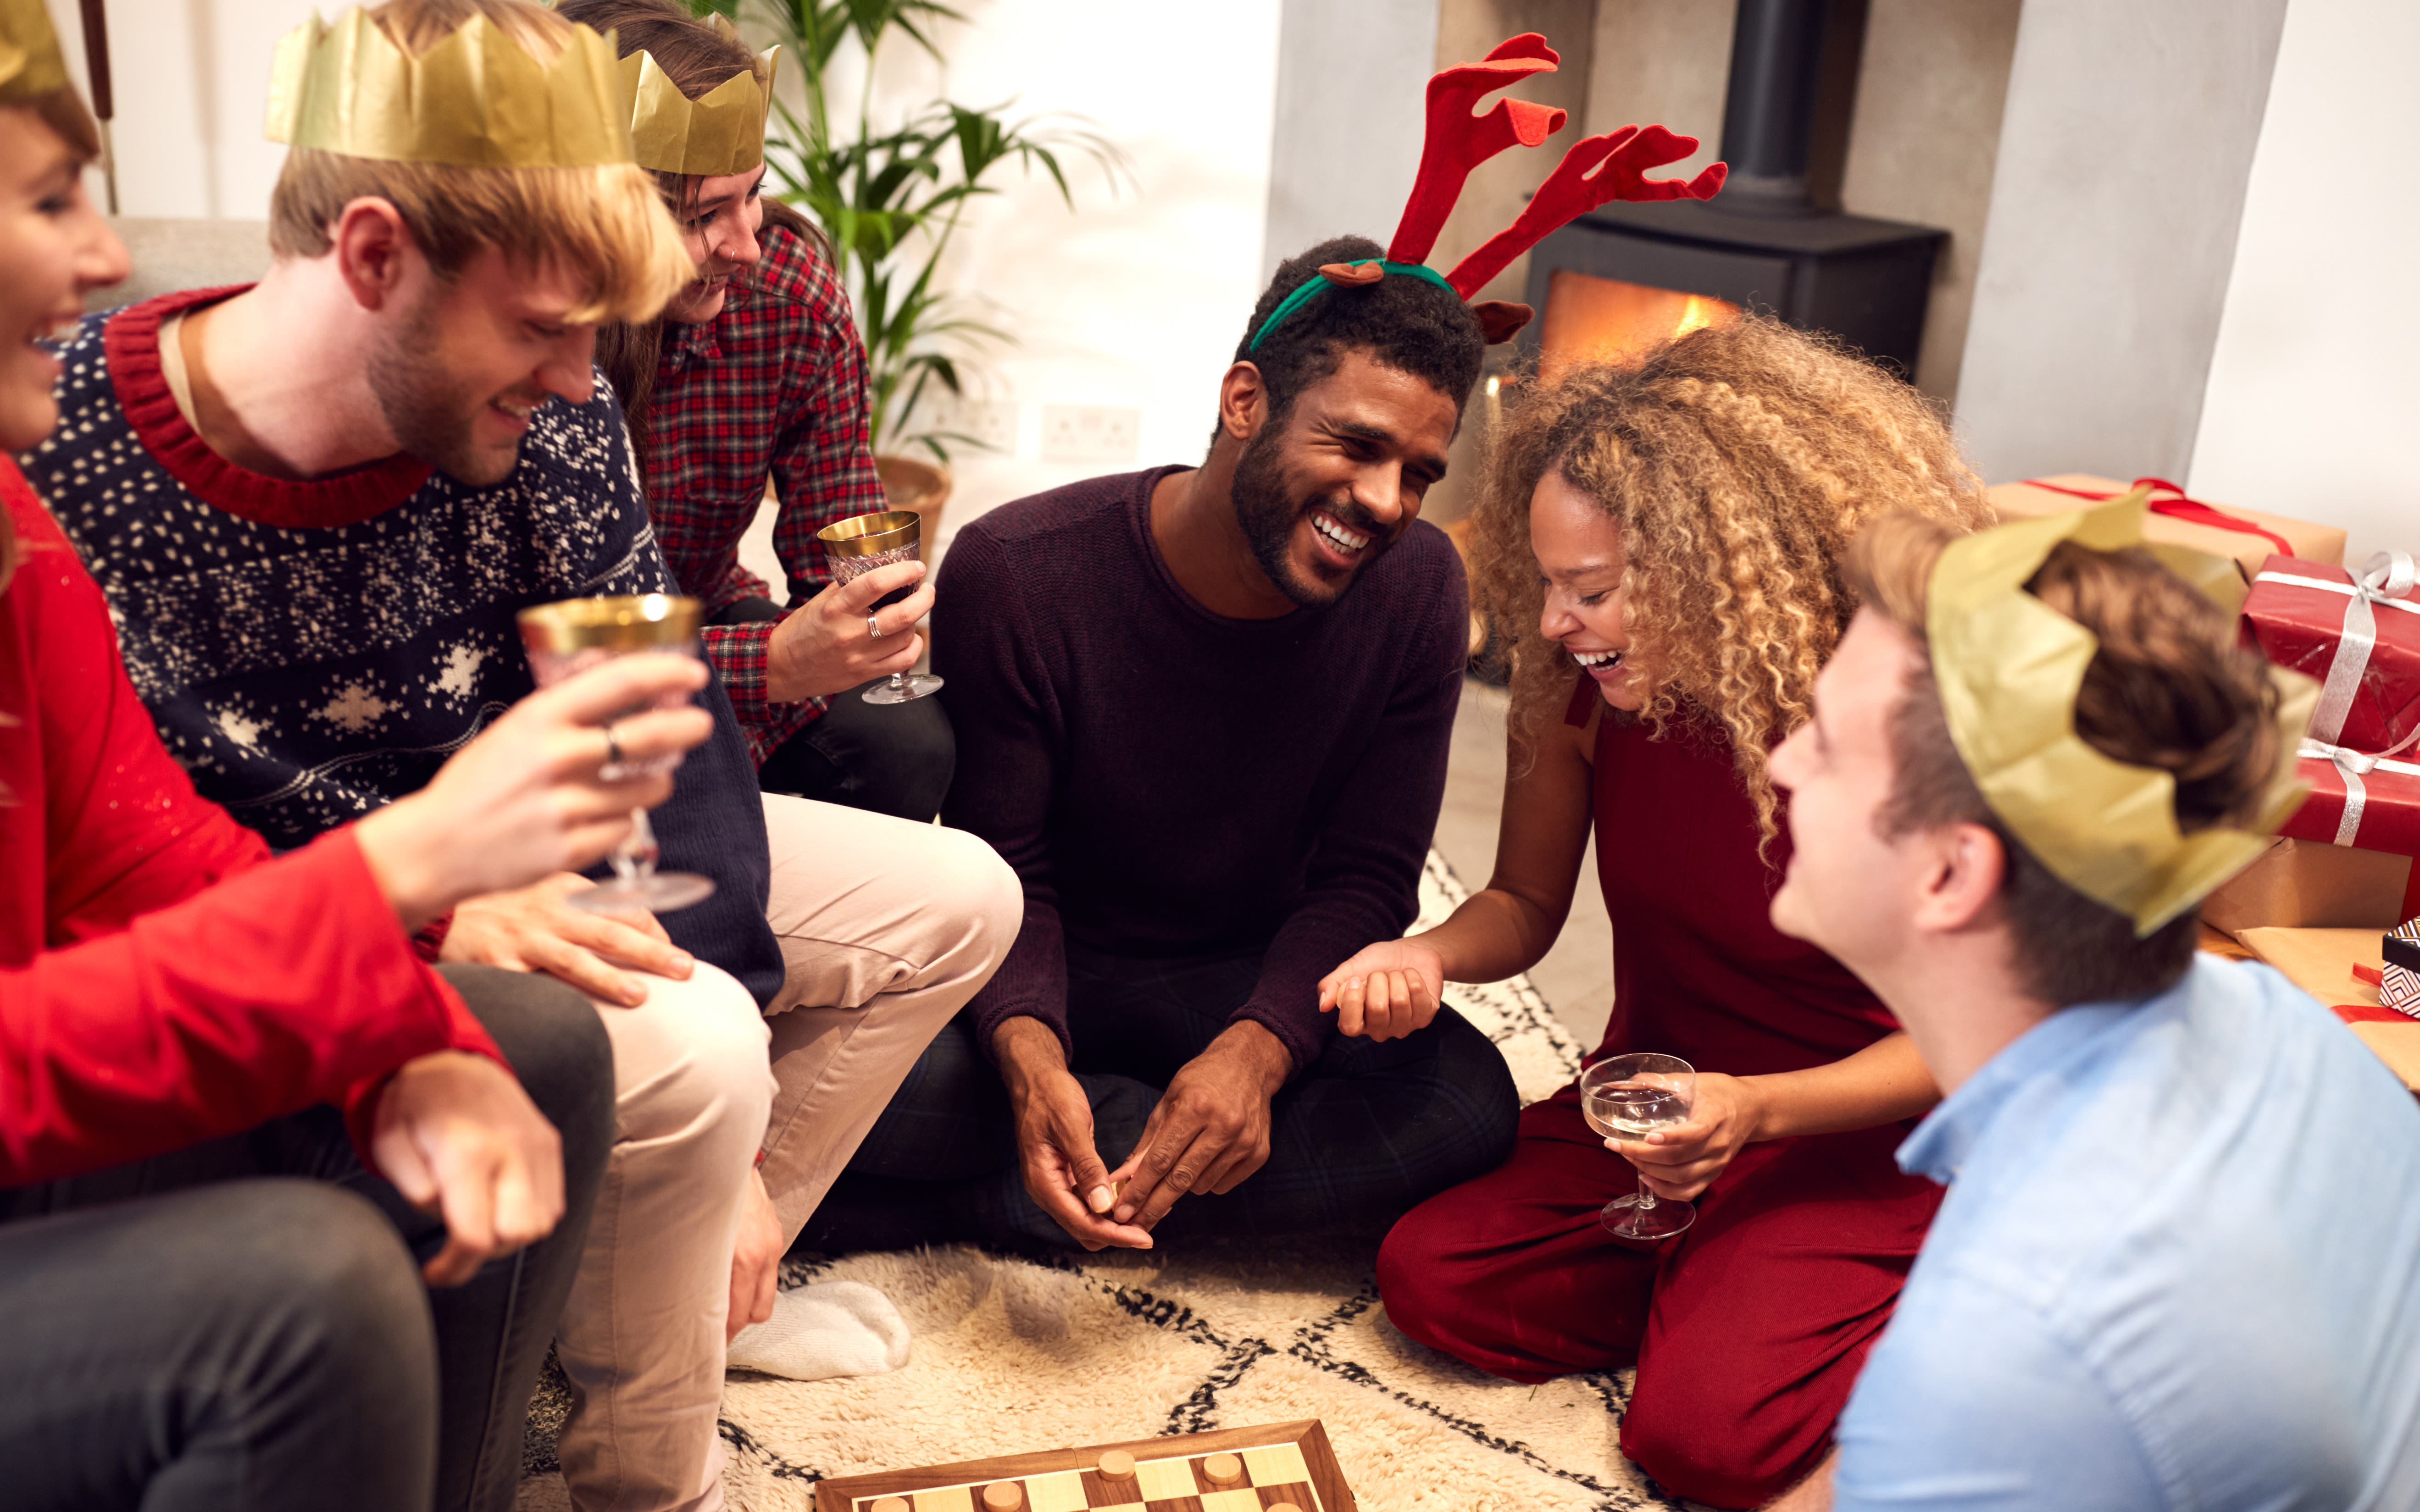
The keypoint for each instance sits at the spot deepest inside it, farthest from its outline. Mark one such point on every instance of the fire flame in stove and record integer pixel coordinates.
(1590, 319)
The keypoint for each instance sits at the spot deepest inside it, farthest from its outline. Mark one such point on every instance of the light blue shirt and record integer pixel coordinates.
(2178, 1267)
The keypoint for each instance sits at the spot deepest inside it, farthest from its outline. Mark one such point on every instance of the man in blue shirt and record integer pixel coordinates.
(2178, 1264)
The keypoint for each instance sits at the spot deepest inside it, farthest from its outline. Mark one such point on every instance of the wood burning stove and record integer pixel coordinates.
(1626, 275)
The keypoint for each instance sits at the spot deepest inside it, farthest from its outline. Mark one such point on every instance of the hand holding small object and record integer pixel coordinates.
(1062, 1171)
(1210, 1129)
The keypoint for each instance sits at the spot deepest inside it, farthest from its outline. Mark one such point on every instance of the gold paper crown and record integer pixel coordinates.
(2009, 667)
(30, 64)
(722, 132)
(477, 99)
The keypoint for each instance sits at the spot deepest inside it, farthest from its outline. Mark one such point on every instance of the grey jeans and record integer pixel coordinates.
(241, 1324)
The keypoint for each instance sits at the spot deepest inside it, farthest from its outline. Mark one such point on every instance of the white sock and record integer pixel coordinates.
(834, 1328)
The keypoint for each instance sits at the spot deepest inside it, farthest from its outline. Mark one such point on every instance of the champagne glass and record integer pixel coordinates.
(855, 547)
(1630, 1097)
(576, 634)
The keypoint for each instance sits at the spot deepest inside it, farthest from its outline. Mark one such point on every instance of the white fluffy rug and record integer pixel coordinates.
(1014, 1355)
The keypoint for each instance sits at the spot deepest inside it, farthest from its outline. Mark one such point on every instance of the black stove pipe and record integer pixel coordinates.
(1769, 114)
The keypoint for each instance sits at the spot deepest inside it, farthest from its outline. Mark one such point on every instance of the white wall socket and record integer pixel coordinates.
(1091, 433)
(992, 423)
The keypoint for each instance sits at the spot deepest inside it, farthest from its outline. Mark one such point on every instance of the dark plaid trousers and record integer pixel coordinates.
(1359, 1138)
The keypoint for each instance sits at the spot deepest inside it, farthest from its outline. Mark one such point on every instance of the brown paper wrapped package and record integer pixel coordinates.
(2312, 542)
(2321, 962)
(2300, 883)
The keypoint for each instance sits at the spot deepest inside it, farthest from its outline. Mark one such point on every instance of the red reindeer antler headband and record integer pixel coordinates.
(1596, 171)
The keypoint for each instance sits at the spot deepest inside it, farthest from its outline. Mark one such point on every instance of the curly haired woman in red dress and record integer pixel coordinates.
(1666, 537)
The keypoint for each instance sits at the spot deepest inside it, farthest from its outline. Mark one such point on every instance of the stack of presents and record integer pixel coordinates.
(2335, 903)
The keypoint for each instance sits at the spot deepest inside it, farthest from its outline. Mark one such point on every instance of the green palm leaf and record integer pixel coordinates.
(890, 200)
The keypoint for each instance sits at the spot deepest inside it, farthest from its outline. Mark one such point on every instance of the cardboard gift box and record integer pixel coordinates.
(2306, 883)
(2250, 537)
(2357, 634)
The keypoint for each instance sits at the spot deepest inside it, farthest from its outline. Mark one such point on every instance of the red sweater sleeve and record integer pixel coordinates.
(162, 980)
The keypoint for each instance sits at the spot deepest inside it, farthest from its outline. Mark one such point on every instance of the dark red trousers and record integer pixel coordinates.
(1748, 1329)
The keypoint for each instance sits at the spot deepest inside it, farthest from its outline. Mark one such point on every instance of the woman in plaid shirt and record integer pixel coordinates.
(887, 923)
(754, 375)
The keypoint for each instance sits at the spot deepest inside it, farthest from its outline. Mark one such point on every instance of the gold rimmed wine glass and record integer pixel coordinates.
(855, 547)
(1630, 1097)
(569, 637)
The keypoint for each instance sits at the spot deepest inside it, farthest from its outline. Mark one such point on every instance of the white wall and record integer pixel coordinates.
(2124, 153)
(1348, 117)
(1134, 299)
(191, 78)
(2313, 406)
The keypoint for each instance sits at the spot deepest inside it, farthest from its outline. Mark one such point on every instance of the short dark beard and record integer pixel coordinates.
(427, 409)
(1268, 516)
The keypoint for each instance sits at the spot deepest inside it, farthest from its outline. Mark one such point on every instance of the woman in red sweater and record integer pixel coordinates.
(1665, 536)
(165, 983)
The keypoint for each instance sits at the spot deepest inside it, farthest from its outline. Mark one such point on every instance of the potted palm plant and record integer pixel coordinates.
(889, 199)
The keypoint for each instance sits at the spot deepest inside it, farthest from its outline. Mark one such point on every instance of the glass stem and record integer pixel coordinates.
(1646, 1198)
(634, 859)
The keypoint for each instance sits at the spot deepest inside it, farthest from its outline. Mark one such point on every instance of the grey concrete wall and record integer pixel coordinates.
(2124, 152)
(1922, 138)
(1467, 30)
(1662, 60)
(168, 256)
(1347, 139)
(1922, 141)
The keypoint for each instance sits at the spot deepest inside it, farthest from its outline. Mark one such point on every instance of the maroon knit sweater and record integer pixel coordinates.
(1169, 782)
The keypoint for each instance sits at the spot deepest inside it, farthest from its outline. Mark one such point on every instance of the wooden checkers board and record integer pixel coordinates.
(1286, 1464)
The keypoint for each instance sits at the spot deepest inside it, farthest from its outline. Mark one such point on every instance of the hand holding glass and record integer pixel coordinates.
(1630, 1097)
(573, 636)
(859, 545)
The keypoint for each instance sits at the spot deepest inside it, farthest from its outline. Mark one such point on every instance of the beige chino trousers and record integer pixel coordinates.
(887, 927)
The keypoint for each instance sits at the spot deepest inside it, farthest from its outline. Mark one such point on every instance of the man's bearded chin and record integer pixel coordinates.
(1269, 515)
(429, 413)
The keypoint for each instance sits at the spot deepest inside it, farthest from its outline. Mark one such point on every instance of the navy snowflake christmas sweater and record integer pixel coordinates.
(311, 651)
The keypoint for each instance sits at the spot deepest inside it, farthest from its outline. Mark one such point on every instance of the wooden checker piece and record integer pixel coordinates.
(1286, 1465)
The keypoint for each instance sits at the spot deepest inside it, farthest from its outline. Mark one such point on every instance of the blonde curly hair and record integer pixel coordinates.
(1737, 461)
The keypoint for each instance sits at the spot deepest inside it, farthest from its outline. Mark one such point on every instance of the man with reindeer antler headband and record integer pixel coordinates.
(1204, 711)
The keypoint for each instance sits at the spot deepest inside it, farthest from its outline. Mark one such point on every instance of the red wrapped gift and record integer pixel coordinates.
(2359, 799)
(2358, 634)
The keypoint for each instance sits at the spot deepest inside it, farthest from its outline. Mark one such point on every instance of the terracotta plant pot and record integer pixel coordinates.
(911, 483)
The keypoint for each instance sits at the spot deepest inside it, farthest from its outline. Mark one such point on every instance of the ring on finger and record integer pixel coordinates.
(872, 627)
(613, 747)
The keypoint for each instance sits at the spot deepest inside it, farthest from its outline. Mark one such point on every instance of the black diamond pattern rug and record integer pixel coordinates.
(1015, 1354)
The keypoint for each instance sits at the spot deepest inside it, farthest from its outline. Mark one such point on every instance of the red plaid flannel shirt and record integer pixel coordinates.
(773, 388)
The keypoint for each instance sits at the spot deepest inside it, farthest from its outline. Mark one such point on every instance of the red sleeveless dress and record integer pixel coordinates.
(1748, 1329)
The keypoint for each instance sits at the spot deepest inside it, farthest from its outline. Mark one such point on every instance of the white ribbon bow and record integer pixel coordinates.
(2385, 579)
(2353, 765)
